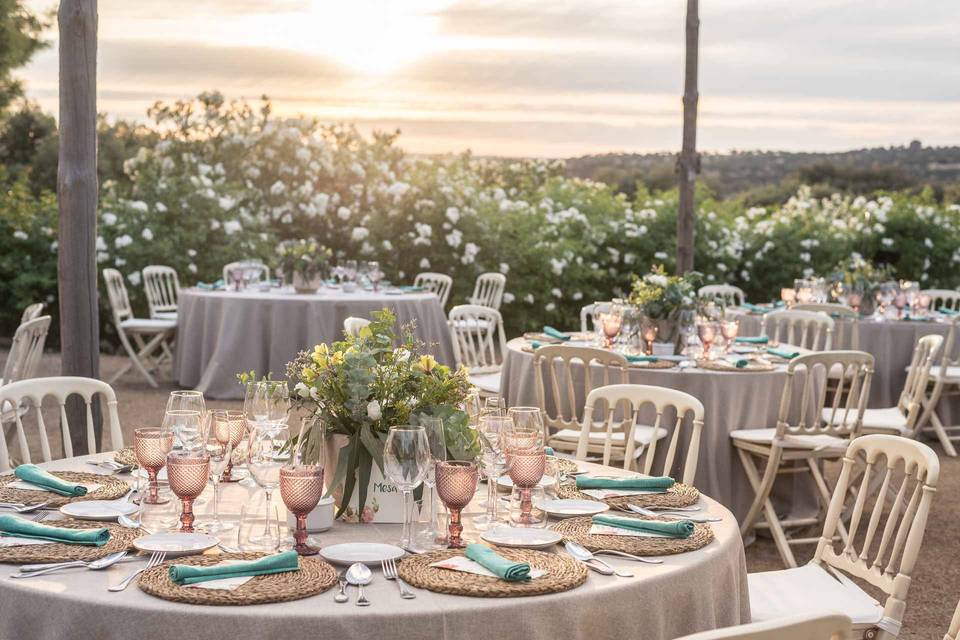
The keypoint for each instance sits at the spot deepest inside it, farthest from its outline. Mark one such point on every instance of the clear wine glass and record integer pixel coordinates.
(375, 274)
(187, 427)
(492, 429)
(472, 407)
(350, 270)
(229, 429)
(266, 405)
(266, 457)
(185, 400)
(436, 438)
(406, 461)
(219, 462)
(527, 420)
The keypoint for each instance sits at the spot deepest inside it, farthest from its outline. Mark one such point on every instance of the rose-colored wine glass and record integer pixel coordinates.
(611, 324)
(526, 470)
(804, 295)
(900, 301)
(151, 446)
(729, 330)
(789, 296)
(854, 300)
(229, 428)
(648, 331)
(301, 488)
(708, 333)
(188, 472)
(456, 484)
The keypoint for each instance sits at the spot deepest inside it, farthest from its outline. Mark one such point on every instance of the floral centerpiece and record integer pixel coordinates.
(671, 301)
(362, 386)
(303, 263)
(855, 281)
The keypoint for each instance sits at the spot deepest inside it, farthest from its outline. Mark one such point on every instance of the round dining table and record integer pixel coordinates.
(688, 592)
(731, 399)
(223, 333)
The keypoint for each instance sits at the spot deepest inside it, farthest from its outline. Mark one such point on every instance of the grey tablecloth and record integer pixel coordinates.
(689, 592)
(731, 401)
(222, 333)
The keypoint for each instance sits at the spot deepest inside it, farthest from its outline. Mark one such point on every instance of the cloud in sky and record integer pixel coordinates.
(538, 77)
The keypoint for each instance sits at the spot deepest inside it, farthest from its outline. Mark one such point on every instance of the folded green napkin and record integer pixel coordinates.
(676, 529)
(555, 333)
(782, 353)
(535, 344)
(948, 312)
(752, 339)
(412, 288)
(755, 308)
(206, 285)
(548, 451)
(504, 569)
(644, 484)
(277, 563)
(11, 525)
(35, 475)
(642, 359)
(779, 303)
(741, 363)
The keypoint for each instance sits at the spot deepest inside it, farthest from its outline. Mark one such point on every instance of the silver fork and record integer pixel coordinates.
(155, 559)
(390, 573)
(40, 516)
(24, 508)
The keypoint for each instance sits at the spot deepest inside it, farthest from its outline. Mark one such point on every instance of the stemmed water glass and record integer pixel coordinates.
(151, 446)
(789, 296)
(528, 420)
(610, 323)
(187, 426)
(648, 330)
(729, 330)
(436, 438)
(456, 484)
(187, 472)
(708, 333)
(266, 404)
(350, 270)
(526, 470)
(218, 464)
(229, 429)
(301, 487)
(472, 407)
(186, 400)
(375, 274)
(406, 461)
(265, 458)
(492, 429)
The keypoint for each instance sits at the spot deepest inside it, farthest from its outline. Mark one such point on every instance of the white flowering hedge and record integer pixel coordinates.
(222, 181)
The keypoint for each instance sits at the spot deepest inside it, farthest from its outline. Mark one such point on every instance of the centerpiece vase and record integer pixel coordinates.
(304, 285)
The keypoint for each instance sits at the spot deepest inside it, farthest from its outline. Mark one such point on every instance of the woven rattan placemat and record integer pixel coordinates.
(110, 489)
(722, 365)
(679, 495)
(121, 539)
(578, 530)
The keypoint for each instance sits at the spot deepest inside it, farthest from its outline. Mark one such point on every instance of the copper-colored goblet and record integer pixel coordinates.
(729, 330)
(611, 324)
(855, 300)
(526, 470)
(456, 484)
(789, 296)
(229, 428)
(151, 446)
(188, 472)
(708, 333)
(301, 488)
(649, 332)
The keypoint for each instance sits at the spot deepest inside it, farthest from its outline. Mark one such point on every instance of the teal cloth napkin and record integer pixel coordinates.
(642, 359)
(35, 475)
(504, 569)
(206, 285)
(781, 353)
(277, 563)
(412, 288)
(656, 483)
(741, 363)
(11, 525)
(755, 308)
(676, 529)
(555, 333)
(535, 344)
(548, 451)
(752, 339)
(948, 312)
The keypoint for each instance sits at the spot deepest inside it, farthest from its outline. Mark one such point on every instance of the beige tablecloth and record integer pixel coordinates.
(222, 333)
(689, 592)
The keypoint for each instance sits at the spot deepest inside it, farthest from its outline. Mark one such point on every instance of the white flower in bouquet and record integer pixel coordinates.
(343, 213)
(373, 410)
(359, 234)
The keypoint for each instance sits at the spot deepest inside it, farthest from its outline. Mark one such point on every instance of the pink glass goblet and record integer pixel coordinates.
(789, 296)
(526, 470)
(708, 333)
(229, 428)
(900, 301)
(854, 300)
(649, 332)
(151, 446)
(456, 484)
(611, 324)
(729, 330)
(301, 488)
(188, 472)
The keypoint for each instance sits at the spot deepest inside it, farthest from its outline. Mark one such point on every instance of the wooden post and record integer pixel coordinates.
(688, 164)
(77, 196)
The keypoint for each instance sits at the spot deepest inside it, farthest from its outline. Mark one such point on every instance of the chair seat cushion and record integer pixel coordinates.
(165, 315)
(889, 419)
(809, 590)
(642, 434)
(148, 325)
(952, 374)
(818, 442)
(489, 382)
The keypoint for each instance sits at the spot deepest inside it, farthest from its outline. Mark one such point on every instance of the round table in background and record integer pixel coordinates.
(689, 592)
(222, 333)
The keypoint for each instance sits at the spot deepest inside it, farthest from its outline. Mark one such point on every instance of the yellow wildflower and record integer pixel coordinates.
(426, 363)
(308, 375)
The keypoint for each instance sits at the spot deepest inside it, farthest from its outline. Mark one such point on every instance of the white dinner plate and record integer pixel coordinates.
(98, 509)
(370, 553)
(522, 537)
(570, 508)
(505, 482)
(176, 544)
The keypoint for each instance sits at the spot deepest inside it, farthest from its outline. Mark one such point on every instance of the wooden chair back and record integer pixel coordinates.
(31, 312)
(162, 287)
(808, 329)
(479, 342)
(488, 290)
(554, 369)
(438, 283)
(726, 295)
(943, 298)
(587, 311)
(117, 295)
(26, 350)
(837, 311)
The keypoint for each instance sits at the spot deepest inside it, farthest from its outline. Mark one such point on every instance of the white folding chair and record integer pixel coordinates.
(479, 344)
(953, 633)
(150, 335)
(837, 311)
(163, 290)
(944, 383)
(253, 266)
(803, 627)
(806, 440)
(29, 394)
(31, 312)
(438, 283)
(352, 326)
(943, 299)
(805, 329)
(588, 310)
(619, 406)
(880, 549)
(26, 350)
(488, 290)
(725, 294)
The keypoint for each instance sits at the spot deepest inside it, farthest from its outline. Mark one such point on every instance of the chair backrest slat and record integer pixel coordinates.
(117, 295)
(587, 312)
(162, 287)
(479, 342)
(26, 350)
(556, 365)
(725, 294)
(807, 329)
(488, 290)
(438, 283)
(943, 298)
(32, 312)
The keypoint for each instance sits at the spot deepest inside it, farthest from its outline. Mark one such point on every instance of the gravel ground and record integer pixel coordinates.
(936, 582)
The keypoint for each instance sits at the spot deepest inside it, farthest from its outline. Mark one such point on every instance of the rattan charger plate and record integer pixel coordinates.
(110, 489)
(315, 576)
(121, 539)
(753, 366)
(563, 465)
(578, 530)
(563, 573)
(659, 364)
(679, 495)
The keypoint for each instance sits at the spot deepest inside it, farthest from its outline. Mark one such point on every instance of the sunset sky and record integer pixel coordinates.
(549, 78)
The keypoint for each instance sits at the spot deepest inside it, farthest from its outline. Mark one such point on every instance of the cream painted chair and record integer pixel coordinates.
(438, 283)
(162, 286)
(837, 312)
(802, 627)
(806, 329)
(944, 383)
(479, 344)
(886, 531)
(352, 326)
(724, 294)
(488, 290)
(943, 298)
(32, 312)
(804, 439)
(586, 314)
(150, 335)
(26, 350)
(29, 394)
(619, 406)
(254, 265)
(561, 397)
(953, 633)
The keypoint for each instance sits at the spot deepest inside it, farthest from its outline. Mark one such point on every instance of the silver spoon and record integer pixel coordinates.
(342, 585)
(624, 554)
(359, 574)
(31, 570)
(582, 554)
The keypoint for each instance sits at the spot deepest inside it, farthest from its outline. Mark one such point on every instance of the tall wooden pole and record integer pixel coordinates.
(688, 164)
(77, 196)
